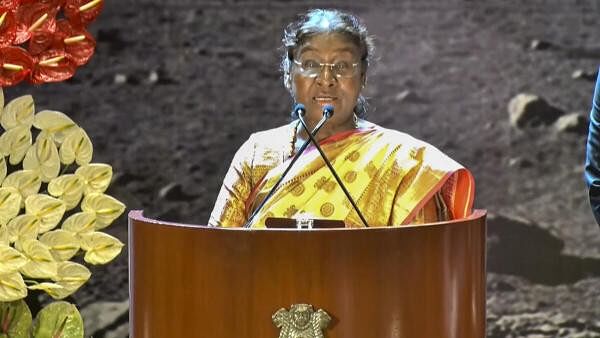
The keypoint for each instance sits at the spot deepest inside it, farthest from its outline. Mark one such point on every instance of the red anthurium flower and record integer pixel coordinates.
(34, 16)
(8, 27)
(82, 12)
(10, 4)
(78, 42)
(55, 48)
(42, 41)
(15, 65)
(52, 66)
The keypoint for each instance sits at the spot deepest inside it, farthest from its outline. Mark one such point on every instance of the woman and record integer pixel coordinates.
(592, 163)
(394, 178)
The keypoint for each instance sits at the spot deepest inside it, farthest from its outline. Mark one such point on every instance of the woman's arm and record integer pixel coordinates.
(230, 206)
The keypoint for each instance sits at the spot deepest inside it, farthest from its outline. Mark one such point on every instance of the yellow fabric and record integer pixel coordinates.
(394, 178)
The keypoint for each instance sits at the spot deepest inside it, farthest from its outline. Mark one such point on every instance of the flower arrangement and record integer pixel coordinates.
(52, 208)
(45, 40)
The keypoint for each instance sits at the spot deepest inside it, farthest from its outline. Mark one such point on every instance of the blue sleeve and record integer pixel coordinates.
(592, 161)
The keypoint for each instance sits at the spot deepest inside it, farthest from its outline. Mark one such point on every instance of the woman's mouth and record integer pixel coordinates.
(324, 99)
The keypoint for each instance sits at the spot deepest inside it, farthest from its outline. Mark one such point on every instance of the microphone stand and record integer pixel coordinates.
(333, 172)
(300, 109)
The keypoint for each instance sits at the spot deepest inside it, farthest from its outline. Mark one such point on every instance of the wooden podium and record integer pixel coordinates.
(424, 281)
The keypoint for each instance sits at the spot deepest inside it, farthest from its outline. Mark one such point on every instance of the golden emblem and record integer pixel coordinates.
(301, 321)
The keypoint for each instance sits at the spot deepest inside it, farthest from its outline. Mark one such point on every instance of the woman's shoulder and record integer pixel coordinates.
(408, 145)
(274, 135)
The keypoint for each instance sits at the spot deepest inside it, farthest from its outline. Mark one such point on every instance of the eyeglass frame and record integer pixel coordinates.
(330, 65)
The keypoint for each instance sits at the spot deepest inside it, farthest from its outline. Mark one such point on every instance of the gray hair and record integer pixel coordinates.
(324, 21)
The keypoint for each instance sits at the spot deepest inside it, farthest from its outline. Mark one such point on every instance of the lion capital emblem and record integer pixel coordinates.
(301, 321)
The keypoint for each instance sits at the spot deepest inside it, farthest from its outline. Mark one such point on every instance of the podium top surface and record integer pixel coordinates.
(138, 216)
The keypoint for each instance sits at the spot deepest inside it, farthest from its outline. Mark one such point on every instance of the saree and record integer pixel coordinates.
(392, 176)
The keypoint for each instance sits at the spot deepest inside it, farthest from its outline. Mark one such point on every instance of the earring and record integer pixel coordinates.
(355, 120)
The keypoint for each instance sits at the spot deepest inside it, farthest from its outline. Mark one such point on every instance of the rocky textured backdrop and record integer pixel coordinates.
(502, 86)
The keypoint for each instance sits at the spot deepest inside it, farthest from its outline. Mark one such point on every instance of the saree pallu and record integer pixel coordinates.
(389, 174)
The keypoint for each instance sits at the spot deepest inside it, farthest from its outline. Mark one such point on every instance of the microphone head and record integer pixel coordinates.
(328, 111)
(299, 109)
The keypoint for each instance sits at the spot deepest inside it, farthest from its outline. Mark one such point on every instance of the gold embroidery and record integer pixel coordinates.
(350, 176)
(371, 169)
(329, 186)
(298, 189)
(289, 212)
(320, 182)
(353, 156)
(327, 209)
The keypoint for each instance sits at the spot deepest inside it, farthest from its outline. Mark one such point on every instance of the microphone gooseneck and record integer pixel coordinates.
(327, 113)
(300, 110)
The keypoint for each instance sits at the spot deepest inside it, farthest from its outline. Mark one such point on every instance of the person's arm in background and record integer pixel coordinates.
(592, 162)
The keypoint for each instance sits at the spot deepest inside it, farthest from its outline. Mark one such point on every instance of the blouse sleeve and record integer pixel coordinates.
(230, 206)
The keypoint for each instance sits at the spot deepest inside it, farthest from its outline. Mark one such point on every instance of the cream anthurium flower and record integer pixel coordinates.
(10, 204)
(71, 276)
(80, 223)
(69, 188)
(12, 287)
(76, 147)
(23, 227)
(43, 157)
(100, 248)
(3, 169)
(40, 263)
(4, 235)
(63, 244)
(106, 208)
(27, 182)
(54, 122)
(18, 112)
(11, 260)
(15, 142)
(48, 210)
(96, 177)
(48, 287)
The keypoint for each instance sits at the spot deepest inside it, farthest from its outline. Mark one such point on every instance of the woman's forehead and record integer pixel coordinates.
(329, 43)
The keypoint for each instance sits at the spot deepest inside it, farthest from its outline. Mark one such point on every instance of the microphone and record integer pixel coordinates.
(301, 111)
(327, 113)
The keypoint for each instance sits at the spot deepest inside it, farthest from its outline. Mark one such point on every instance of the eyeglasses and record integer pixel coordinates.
(313, 68)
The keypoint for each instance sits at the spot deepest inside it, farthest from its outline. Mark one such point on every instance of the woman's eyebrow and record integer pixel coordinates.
(339, 50)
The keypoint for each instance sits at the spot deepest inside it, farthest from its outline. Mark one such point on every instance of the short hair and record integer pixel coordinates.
(325, 21)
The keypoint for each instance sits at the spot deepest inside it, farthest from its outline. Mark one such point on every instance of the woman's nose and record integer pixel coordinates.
(326, 77)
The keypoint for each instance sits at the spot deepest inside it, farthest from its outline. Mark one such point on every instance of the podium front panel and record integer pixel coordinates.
(414, 281)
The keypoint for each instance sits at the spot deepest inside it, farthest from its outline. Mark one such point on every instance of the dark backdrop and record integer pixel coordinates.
(175, 87)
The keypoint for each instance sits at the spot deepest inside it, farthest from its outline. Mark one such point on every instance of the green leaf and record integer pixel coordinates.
(15, 318)
(58, 320)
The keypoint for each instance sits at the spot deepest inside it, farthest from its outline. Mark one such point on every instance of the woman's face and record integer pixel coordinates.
(327, 88)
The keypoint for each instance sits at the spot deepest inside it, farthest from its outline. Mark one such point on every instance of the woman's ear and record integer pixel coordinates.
(287, 81)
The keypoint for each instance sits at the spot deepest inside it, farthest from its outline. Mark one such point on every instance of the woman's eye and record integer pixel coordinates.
(343, 65)
(311, 64)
